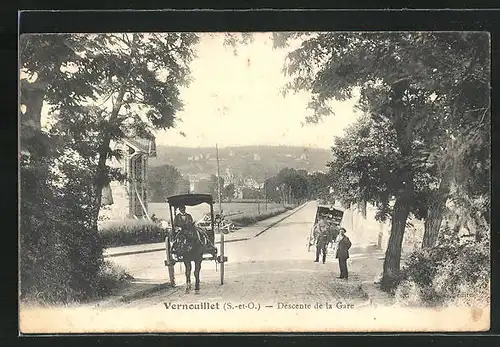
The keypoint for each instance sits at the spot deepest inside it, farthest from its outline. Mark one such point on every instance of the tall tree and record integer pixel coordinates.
(319, 184)
(398, 76)
(163, 181)
(213, 186)
(229, 191)
(136, 79)
(272, 187)
(98, 88)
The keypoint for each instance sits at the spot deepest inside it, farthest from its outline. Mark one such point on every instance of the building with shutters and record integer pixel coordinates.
(129, 199)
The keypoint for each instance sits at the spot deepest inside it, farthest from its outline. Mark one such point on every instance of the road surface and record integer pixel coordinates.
(274, 265)
(271, 285)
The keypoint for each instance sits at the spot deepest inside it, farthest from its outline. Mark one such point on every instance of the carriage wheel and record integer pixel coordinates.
(169, 262)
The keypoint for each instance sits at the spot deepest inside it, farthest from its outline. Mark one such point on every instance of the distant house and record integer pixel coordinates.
(195, 179)
(238, 192)
(229, 176)
(129, 199)
(251, 183)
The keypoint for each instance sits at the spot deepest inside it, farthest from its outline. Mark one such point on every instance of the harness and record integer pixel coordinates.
(186, 240)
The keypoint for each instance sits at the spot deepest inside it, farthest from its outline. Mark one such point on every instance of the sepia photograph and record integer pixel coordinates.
(234, 182)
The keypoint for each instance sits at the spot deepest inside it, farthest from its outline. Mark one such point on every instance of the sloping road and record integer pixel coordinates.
(273, 265)
(271, 284)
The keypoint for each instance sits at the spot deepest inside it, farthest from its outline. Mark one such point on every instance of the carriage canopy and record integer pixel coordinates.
(331, 213)
(175, 201)
(190, 199)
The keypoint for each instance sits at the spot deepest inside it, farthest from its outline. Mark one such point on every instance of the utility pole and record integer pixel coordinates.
(220, 213)
(265, 191)
(352, 217)
(258, 201)
(282, 191)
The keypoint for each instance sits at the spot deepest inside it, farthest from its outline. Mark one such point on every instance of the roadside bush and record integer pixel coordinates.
(448, 273)
(251, 219)
(61, 253)
(110, 277)
(130, 232)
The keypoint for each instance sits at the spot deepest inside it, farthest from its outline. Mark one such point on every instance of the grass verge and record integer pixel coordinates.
(247, 220)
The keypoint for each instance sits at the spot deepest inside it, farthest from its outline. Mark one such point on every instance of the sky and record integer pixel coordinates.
(236, 101)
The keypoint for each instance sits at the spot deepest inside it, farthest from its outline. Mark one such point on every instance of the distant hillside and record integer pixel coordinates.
(249, 161)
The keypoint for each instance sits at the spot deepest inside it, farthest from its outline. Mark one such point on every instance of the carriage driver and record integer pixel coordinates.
(323, 238)
(183, 220)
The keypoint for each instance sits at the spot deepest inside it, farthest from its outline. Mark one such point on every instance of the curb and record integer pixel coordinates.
(162, 249)
(297, 209)
(142, 293)
(218, 242)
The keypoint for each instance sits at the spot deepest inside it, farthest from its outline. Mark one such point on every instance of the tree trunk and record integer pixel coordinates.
(101, 177)
(362, 208)
(393, 252)
(432, 224)
(403, 119)
(32, 96)
(435, 212)
(481, 227)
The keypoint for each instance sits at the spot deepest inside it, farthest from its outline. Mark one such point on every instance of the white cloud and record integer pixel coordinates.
(236, 100)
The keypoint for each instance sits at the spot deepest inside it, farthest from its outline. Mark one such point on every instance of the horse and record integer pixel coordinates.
(190, 245)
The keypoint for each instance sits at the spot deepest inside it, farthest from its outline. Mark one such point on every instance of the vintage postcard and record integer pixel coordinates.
(254, 182)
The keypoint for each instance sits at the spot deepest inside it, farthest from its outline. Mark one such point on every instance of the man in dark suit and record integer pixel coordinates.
(343, 253)
(183, 220)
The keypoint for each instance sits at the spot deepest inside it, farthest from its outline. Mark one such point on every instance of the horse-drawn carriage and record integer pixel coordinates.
(226, 225)
(191, 242)
(329, 214)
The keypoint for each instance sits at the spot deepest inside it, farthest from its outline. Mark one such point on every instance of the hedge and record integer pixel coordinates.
(136, 232)
(130, 232)
(447, 273)
(250, 219)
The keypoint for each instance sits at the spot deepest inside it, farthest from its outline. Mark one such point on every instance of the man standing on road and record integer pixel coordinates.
(322, 239)
(342, 255)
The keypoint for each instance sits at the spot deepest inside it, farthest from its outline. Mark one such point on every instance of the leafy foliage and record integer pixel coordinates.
(251, 193)
(319, 185)
(241, 160)
(228, 191)
(99, 88)
(164, 181)
(421, 93)
(130, 232)
(61, 256)
(456, 270)
(248, 220)
(299, 183)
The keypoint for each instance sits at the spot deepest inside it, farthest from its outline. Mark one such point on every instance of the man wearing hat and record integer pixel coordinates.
(183, 220)
(322, 236)
(342, 254)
